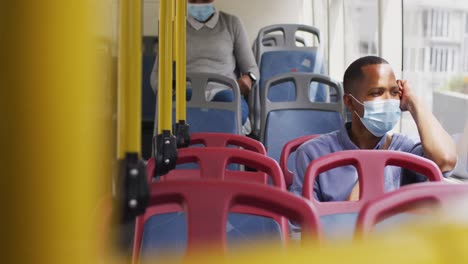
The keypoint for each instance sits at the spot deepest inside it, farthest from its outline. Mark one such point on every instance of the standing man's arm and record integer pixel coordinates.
(244, 57)
(436, 142)
(154, 76)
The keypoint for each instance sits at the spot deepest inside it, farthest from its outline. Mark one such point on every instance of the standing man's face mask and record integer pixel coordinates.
(380, 116)
(201, 12)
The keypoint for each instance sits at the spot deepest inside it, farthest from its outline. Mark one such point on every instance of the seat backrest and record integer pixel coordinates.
(287, 159)
(283, 121)
(222, 140)
(339, 218)
(225, 140)
(213, 162)
(284, 57)
(272, 40)
(267, 41)
(407, 197)
(370, 165)
(207, 204)
(211, 116)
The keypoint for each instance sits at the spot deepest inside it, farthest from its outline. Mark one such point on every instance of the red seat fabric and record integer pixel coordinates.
(407, 197)
(208, 202)
(370, 166)
(288, 149)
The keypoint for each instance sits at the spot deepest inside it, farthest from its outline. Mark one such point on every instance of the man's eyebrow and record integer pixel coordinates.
(376, 88)
(382, 87)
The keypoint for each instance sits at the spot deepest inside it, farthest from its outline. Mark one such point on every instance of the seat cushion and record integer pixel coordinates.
(166, 233)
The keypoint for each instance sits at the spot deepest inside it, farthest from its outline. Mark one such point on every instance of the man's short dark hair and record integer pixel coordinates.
(354, 71)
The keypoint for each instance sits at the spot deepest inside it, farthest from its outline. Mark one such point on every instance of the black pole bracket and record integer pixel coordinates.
(132, 190)
(166, 153)
(182, 133)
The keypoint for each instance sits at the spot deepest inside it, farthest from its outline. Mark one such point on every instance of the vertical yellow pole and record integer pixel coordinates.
(165, 66)
(180, 45)
(54, 131)
(129, 79)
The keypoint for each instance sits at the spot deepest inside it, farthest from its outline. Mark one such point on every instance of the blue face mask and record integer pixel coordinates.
(201, 12)
(380, 116)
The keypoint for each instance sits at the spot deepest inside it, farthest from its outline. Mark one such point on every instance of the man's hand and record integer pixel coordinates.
(245, 84)
(408, 97)
(354, 195)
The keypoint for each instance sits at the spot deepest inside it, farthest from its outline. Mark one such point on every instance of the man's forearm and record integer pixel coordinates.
(437, 144)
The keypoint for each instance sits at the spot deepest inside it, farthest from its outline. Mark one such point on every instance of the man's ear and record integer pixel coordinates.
(348, 102)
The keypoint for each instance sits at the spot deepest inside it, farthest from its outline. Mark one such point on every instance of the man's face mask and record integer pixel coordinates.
(380, 116)
(200, 12)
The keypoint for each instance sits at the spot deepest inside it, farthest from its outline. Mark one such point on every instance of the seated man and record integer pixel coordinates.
(375, 99)
(217, 43)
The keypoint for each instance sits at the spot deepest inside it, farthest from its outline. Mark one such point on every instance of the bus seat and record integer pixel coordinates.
(206, 204)
(290, 54)
(339, 218)
(275, 40)
(226, 140)
(213, 163)
(283, 121)
(404, 200)
(288, 155)
(210, 116)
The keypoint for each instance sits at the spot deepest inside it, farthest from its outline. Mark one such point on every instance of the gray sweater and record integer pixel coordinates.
(217, 46)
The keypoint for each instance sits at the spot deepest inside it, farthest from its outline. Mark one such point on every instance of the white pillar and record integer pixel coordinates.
(391, 34)
(336, 44)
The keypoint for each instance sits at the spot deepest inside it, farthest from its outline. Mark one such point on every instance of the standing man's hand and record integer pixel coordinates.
(245, 84)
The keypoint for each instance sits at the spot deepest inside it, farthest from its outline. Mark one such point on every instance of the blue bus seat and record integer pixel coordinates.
(211, 116)
(284, 121)
(272, 40)
(290, 54)
(171, 228)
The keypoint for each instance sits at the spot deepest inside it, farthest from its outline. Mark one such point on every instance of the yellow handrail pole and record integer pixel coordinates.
(122, 79)
(54, 133)
(165, 66)
(181, 59)
(129, 79)
(134, 92)
(165, 151)
(130, 187)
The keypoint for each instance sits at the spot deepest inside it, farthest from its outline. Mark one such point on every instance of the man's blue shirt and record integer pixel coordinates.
(337, 184)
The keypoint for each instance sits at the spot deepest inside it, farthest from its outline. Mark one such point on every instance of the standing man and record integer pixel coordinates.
(217, 43)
